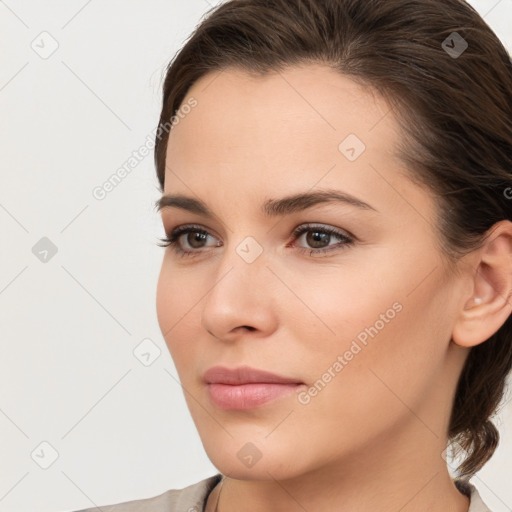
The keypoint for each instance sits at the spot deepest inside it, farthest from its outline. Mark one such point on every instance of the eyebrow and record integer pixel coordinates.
(272, 207)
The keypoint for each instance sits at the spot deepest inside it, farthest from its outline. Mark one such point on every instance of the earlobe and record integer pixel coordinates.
(489, 304)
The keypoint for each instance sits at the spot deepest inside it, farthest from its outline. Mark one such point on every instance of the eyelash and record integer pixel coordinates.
(172, 240)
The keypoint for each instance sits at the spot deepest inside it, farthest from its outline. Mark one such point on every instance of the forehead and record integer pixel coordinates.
(302, 102)
(283, 131)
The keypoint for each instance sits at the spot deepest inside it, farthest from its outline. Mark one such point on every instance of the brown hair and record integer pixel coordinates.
(454, 110)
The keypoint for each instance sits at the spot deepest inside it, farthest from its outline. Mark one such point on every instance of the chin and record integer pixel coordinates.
(254, 457)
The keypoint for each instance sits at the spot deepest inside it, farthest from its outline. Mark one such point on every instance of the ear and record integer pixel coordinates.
(488, 304)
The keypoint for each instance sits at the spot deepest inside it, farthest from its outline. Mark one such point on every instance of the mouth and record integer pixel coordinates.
(245, 387)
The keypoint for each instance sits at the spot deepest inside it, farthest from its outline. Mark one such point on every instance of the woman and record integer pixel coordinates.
(336, 179)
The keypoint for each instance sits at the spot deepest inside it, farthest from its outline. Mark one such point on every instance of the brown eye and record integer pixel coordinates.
(195, 239)
(318, 238)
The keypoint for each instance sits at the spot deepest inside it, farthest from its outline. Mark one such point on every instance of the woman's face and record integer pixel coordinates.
(365, 326)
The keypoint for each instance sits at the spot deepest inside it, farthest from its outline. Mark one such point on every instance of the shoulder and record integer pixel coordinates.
(193, 499)
(188, 499)
(476, 502)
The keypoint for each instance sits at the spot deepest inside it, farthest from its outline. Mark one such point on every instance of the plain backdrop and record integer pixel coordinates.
(85, 418)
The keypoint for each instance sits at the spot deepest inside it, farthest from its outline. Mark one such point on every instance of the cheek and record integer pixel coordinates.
(172, 308)
(331, 307)
(164, 301)
(387, 369)
(178, 303)
(373, 340)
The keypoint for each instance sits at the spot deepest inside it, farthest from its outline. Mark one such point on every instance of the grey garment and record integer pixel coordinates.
(189, 499)
(193, 499)
(476, 504)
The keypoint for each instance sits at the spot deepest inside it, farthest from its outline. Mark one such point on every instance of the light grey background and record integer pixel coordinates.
(70, 325)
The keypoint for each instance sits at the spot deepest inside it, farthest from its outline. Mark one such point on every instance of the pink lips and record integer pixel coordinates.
(245, 387)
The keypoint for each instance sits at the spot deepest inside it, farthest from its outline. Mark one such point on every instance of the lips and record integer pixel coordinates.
(244, 375)
(245, 388)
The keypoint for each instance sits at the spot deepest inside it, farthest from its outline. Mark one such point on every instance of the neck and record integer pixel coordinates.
(396, 476)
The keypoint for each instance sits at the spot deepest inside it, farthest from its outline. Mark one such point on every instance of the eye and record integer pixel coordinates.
(318, 237)
(195, 242)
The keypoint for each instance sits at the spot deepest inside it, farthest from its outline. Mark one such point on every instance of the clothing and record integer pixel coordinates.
(193, 499)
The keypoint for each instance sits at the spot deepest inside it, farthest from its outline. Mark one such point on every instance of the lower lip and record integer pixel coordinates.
(247, 396)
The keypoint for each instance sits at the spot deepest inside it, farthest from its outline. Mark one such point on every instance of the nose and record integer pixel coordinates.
(241, 299)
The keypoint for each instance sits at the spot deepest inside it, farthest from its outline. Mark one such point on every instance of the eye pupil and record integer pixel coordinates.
(194, 236)
(313, 240)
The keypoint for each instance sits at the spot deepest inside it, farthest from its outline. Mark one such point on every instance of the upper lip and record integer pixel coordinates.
(244, 375)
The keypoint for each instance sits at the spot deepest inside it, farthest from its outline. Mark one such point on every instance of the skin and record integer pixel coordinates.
(373, 438)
